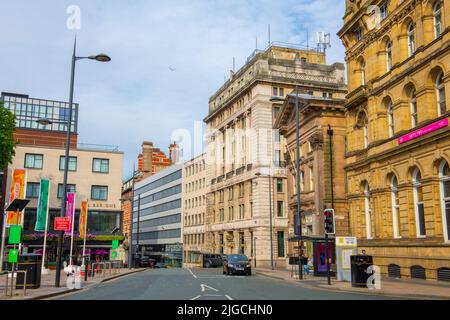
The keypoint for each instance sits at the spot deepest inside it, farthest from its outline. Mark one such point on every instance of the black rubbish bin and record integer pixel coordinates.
(360, 263)
(32, 263)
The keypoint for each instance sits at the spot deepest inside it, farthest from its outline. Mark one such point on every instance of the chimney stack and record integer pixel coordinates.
(147, 156)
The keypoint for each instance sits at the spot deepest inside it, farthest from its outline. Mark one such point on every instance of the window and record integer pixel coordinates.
(280, 209)
(230, 213)
(33, 190)
(34, 161)
(281, 92)
(99, 193)
(311, 179)
(280, 242)
(72, 163)
(388, 55)
(275, 92)
(445, 186)
(411, 40)
(358, 34)
(414, 118)
(367, 211)
(222, 215)
(390, 112)
(241, 243)
(418, 203)
(242, 211)
(100, 165)
(363, 73)
(384, 11)
(395, 207)
(279, 185)
(440, 89)
(221, 243)
(438, 25)
(71, 188)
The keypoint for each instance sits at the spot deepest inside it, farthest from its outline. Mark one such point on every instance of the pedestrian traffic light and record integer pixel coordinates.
(329, 221)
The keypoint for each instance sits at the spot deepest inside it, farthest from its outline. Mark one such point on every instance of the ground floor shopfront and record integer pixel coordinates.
(171, 255)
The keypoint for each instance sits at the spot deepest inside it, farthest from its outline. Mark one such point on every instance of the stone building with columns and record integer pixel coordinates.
(398, 138)
(322, 178)
(245, 160)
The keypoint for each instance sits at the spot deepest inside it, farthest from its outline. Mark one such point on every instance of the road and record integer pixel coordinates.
(205, 284)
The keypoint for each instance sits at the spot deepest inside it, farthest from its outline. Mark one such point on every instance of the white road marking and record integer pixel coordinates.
(205, 288)
(228, 297)
(195, 298)
(212, 295)
(192, 273)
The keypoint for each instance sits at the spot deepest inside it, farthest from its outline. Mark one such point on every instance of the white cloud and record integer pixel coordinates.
(136, 96)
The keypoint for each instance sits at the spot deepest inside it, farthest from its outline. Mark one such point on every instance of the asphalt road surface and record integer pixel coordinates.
(205, 284)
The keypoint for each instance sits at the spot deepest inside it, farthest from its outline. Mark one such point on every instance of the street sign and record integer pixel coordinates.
(15, 234)
(13, 256)
(62, 224)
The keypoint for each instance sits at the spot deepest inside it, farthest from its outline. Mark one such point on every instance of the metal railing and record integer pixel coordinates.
(14, 275)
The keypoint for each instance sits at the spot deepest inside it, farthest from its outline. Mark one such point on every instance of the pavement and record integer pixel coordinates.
(207, 284)
(406, 288)
(48, 289)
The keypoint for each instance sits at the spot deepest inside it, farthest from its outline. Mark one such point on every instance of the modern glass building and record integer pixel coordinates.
(157, 227)
(28, 110)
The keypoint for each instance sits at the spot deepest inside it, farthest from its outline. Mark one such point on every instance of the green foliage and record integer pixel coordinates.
(7, 143)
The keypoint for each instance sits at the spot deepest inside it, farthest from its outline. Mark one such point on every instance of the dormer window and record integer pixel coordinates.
(358, 34)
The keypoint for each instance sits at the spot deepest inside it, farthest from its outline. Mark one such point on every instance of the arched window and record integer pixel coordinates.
(414, 118)
(438, 25)
(395, 207)
(390, 112)
(388, 55)
(411, 40)
(440, 90)
(445, 190)
(363, 123)
(418, 203)
(367, 210)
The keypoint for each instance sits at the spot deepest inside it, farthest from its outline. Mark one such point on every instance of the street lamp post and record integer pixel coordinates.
(270, 217)
(100, 58)
(297, 165)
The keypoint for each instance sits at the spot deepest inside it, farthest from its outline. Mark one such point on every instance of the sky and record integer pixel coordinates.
(168, 57)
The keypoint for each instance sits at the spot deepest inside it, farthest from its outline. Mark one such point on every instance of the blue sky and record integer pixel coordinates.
(168, 57)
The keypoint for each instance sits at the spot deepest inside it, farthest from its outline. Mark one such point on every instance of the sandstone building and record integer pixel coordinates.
(398, 138)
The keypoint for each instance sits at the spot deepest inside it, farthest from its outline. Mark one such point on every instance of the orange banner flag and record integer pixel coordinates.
(18, 185)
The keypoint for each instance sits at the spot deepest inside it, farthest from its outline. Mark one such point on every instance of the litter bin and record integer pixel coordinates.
(360, 263)
(31, 263)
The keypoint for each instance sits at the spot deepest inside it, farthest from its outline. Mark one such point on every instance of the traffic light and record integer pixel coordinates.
(329, 221)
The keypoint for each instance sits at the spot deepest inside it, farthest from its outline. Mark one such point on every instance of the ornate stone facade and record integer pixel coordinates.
(398, 139)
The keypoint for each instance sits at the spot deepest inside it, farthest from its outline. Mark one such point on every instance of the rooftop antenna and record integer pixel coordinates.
(323, 42)
(269, 34)
(256, 43)
(234, 64)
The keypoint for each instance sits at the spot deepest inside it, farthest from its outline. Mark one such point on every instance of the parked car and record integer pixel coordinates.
(212, 260)
(144, 262)
(160, 265)
(237, 264)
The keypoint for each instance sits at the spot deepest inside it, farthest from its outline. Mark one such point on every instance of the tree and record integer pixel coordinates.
(7, 143)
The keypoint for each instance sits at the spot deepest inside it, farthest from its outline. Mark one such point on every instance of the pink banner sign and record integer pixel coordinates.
(425, 130)
(70, 210)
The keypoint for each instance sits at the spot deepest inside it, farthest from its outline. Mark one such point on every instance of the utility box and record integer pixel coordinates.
(345, 248)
